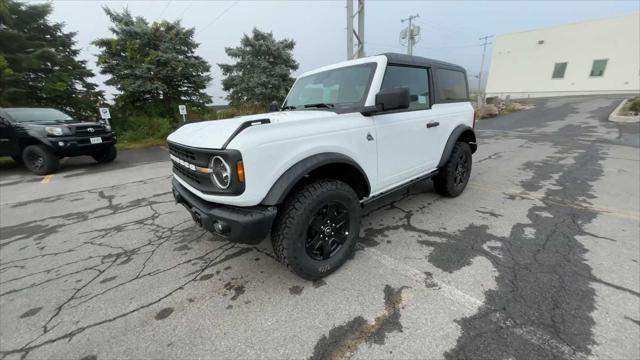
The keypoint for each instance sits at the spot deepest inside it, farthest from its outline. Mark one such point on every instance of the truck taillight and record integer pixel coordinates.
(476, 117)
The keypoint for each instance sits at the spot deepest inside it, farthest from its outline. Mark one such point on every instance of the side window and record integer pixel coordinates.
(597, 69)
(558, 70)
(417, 79)
(451, 85)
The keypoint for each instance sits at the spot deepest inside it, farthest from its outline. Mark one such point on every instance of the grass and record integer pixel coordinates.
(4, 160)
(140, 144)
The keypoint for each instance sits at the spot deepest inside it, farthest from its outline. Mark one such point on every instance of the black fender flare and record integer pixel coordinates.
(464, 131)
(281, 188)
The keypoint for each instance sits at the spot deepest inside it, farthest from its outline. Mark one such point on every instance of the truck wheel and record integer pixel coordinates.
(40, 160)
(317, 229)
(107, 155)
(454, 175)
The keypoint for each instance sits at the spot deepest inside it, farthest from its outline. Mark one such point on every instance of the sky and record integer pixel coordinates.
(450, 30)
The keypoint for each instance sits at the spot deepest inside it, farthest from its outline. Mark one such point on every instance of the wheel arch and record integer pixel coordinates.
(460, 133)
(325, 165)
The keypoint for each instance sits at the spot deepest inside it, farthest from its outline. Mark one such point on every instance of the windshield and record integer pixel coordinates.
(36, 114)
(342, 87)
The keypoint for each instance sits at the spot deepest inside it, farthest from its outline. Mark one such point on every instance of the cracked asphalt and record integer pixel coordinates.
(539, 259)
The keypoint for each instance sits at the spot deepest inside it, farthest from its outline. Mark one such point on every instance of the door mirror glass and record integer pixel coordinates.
(393, 98)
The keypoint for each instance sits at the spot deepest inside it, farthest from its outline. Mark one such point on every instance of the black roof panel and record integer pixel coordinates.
(412, 60)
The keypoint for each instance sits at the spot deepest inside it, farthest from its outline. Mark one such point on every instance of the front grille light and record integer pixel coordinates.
(189, 165)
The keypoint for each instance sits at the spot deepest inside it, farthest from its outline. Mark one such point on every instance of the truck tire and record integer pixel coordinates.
(40, 160)
(317, 228)
(107, 155)
(454, 175)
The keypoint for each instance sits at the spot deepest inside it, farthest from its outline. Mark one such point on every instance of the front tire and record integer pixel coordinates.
(317, 229)
(40, 160)
(107, 155)
(454, 176)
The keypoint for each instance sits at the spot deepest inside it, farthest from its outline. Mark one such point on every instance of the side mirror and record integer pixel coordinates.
(390, 99)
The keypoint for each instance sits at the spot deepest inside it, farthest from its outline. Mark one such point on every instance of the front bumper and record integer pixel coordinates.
(73, 145)
(247, 225)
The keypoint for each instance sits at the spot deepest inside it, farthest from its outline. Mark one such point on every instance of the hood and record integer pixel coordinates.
(213, 134)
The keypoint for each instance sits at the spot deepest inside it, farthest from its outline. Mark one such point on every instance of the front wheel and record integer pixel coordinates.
(317, 229)
(40, 160)
(454, 175)
(107, 155)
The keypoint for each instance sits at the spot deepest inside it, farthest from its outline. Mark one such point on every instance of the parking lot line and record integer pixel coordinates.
(625, 214)
(46, 179)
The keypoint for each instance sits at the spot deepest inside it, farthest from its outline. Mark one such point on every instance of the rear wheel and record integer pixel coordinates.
(454, 176)
(107, 155)
(40, 160)
(317, 229)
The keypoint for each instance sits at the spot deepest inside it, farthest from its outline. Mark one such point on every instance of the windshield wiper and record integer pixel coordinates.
(320, 105)
(288, 107)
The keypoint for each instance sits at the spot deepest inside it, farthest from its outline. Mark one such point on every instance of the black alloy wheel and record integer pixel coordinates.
(463, 166)
(328, 230)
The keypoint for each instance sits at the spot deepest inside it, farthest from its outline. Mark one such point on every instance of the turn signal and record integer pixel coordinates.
(240, 171)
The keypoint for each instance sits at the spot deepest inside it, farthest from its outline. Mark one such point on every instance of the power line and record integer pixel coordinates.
(185, 9)
(219, 16)
(163, 10)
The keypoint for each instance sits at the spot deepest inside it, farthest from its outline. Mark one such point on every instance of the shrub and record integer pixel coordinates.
(635, 105)
(149, 130)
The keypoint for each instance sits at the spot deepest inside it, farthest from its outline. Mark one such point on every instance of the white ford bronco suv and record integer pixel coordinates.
(346, 134)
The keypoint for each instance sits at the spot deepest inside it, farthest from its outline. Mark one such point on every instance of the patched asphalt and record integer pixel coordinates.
(539, 258)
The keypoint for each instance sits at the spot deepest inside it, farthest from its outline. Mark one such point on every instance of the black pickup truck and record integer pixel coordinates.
(39, 137)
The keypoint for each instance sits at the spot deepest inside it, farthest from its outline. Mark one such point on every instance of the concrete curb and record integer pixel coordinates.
(623, 119)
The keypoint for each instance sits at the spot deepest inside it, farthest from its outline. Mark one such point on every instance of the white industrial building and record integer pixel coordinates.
(591, 57)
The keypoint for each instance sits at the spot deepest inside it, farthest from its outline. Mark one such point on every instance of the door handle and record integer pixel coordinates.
(432, 124)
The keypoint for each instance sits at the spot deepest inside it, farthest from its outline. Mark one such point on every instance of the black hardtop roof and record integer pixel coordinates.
(411, 60)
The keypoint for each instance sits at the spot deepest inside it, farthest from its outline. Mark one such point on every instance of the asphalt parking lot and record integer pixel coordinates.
(539, 258)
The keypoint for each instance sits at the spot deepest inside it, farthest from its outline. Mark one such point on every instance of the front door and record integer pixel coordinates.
(407, 139)
(8, 140)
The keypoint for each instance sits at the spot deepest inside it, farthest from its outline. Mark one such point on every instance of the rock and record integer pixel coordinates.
(488, 110)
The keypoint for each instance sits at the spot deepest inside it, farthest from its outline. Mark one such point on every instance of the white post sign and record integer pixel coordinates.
(183, 112)
(105, 115)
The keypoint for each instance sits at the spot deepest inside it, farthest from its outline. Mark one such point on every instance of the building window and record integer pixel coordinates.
(559, 70)
(597, 69)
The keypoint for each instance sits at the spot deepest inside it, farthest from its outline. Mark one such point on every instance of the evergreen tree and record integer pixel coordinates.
(38, 62)
(262, 72)
(153, 66)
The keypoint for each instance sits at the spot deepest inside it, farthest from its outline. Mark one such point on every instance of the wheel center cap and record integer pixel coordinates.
(327, 230)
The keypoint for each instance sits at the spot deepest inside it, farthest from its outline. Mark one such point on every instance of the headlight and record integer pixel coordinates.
(56, 131)
(220, 172)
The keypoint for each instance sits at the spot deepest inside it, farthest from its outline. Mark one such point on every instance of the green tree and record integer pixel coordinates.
(262, 72)
(38, 62)
(153, 66)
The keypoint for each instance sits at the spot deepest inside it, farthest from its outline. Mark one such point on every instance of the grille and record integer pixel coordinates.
(185, 174)
(181, 152)
(83, 130)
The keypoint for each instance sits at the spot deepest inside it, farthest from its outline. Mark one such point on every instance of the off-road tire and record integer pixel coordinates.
(40, 160)
(290, 231)
(106, 155)
(447, 182)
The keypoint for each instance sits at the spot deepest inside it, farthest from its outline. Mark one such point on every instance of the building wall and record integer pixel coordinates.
(522, 68)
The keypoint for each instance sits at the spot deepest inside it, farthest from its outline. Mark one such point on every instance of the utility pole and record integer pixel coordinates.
(351, 33)
(410, 33)
(484, 48)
